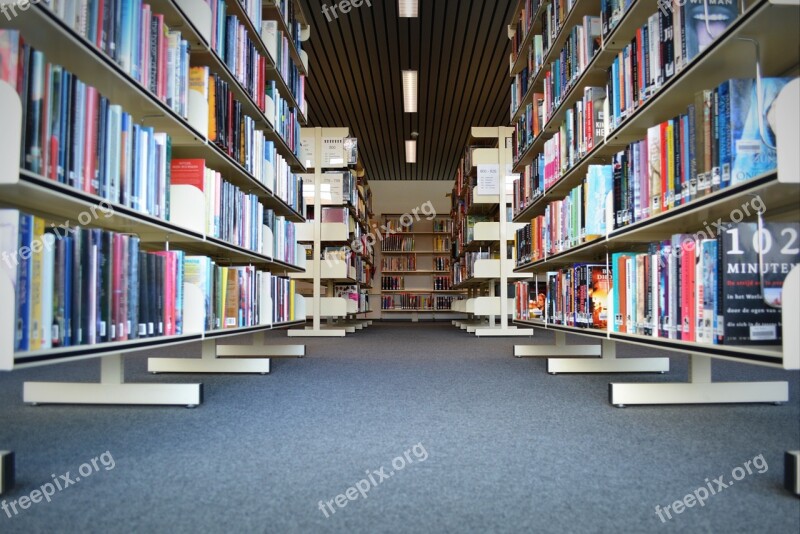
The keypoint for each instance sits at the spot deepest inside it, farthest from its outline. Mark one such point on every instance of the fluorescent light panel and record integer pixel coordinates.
(408, 8)
(410, 91)
(411, 151)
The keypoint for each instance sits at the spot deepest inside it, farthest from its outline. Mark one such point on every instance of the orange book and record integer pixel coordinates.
(212, 108)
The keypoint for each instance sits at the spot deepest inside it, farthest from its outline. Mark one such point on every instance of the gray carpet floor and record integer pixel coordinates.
(487, 443)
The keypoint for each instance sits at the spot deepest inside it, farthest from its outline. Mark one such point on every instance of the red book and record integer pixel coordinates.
(90, 142)
(621, 289)
(170, 277)
(688, 255)
(188, 172)
(98, 39)
(187, 194)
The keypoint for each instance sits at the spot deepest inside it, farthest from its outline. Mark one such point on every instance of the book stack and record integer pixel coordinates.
(284, 245)
(88, 286)
(396, 243)
(283, 297)
(392, 283)
(663, 46)
(530, 299)
(138, 40)
(528, 126)
(283, 118)
(579, 296)
(553, 19)
(399, 263)
(277, 44)
(444, 303)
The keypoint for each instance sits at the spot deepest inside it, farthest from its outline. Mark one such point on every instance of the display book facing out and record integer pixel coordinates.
(85, 159)
(667, 275)
(416, 251)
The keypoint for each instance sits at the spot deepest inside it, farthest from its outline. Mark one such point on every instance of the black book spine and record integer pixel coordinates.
(77, 288)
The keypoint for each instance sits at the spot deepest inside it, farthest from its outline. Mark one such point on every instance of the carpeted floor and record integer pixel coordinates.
(477, 441)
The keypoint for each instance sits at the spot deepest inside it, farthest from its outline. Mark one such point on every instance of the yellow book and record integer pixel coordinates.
(37, 258)
(670, 196)
(212, 109)
(291, 300)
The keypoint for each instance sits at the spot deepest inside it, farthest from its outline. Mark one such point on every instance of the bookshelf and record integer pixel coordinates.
(752, 47)
(482, 231)
(415, 263)
(341, 258)
(252, 251)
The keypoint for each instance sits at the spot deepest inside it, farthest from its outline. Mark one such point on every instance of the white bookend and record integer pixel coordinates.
(187, 207)
(9, 245)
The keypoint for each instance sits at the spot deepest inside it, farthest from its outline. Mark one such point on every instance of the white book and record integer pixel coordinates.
(48, 281)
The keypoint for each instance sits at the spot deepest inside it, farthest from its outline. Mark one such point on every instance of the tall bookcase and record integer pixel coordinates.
(760, 40)
(339, 255)
(482, 188)
(270, 97)
(415, 260)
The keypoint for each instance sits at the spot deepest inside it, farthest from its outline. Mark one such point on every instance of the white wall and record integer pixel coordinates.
(402, 196)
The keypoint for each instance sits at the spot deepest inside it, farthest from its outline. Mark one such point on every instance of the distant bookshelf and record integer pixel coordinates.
(416, 256)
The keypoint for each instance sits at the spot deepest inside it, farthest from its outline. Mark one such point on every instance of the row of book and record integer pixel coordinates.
(444, 226)
(723, 139)
(408, 301)
(283, 118)
(723, 289)
(464, 268)
(399, 263)
(284, 238)
(442, 283)
(278, 45)
(441, 263)
(219, 20)
(393, 283)
(442, 244)
(396, 243)
(581, 216)
(288, 13)
(398, 225)
(138, 40)
(83, 286)
(464, 229)
(660, 49)
(553, 19)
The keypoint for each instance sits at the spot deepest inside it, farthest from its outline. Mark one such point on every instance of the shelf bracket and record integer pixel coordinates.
(560, 349)
(112, 389)
(791, 470)
(700, 389)
(6, 471)
(244, 359)
(608, 363)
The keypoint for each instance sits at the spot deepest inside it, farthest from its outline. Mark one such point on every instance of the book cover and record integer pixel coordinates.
(751, 277)
(752, 141)
(187, 194)
(704, 22)
(599, 184)
(37, 259)
(599, 291)
(709, 266)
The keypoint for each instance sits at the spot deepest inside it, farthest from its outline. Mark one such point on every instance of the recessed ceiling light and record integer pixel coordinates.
(410, 91)
(411, 151)
(408, 8)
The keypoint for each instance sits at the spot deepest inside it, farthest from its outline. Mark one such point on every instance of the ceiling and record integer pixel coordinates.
(459, 47)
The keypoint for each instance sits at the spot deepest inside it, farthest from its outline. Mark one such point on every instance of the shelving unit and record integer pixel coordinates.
(430, 281)
(770, 26)
(484, 191)
(324, 152)
(40, 196)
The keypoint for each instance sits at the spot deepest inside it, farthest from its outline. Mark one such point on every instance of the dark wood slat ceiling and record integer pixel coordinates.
(459, 47)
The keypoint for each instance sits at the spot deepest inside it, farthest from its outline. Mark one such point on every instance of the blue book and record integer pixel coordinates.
(179, 260)
(126, 39)
(724, 111)
(133, 288)
(752, 141)
(136, 168)
(151, 175)
(599, 184)
(78, 135)
(136, 33)
(24, 276)
(708, 252)
(686, 155)
(699, 34)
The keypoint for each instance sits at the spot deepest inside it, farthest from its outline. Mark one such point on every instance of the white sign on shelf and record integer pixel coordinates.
(488, 180)
(333, 152)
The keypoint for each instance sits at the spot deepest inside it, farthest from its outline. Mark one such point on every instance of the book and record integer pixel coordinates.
(752, 268)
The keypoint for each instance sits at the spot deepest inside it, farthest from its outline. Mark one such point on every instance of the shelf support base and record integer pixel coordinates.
(321, 332)
(608, 363)
(698, 390)
(6, 471)
(508, 331)
(560, 349)
(112, 389)
(209, 362)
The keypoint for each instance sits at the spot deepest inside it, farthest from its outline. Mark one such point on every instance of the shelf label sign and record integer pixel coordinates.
(488, 180)
(333, 152)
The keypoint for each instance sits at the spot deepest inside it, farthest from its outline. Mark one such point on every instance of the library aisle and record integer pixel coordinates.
(476, 440)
